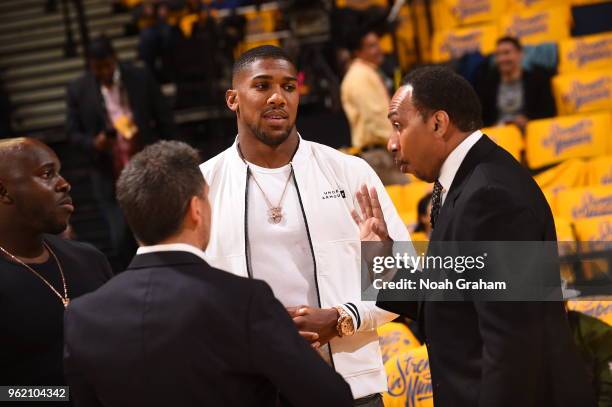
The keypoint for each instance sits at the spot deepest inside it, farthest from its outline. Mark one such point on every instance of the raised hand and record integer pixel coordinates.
(372, 225)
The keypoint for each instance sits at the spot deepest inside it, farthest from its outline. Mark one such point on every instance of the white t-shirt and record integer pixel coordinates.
(280, 253)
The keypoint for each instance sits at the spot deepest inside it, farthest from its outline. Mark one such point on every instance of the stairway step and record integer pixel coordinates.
(53, 55)
(96, 24)
(23, 24)
(40, 122)
(41, 109)
(10, 5)
(57, 40)
(26, 71)
(19, 99)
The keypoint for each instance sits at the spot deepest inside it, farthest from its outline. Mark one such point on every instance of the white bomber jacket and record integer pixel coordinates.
(326, 181)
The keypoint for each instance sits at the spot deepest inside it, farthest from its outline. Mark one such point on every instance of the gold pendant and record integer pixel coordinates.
(65, 301)
(275, 215)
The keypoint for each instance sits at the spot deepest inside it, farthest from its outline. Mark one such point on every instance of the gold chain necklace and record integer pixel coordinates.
(65, 299)
(275, 213)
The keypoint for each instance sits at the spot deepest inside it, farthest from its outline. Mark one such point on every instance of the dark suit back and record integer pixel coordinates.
(499, 353)
(173, 331)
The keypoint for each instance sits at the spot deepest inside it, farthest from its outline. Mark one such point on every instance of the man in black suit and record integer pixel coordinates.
(114, 110)
(173, 331)
(481, 353)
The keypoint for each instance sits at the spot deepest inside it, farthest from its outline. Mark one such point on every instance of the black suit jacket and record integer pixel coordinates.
(87, 117)
(538, 98)
(498, 353)
(172, 331)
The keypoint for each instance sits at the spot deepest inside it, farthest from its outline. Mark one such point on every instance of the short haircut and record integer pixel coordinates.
(100, 48)
(436, 88)
(355, 42)
(259, 53)
(512, 40)
(155, 188)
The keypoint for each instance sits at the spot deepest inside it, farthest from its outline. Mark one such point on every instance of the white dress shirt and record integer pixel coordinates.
(453, 162)
(174, 247)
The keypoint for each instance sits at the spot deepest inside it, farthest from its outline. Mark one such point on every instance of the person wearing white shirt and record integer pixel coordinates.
(172, 330)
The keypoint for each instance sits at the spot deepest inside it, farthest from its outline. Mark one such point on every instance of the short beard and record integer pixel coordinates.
(272, 141)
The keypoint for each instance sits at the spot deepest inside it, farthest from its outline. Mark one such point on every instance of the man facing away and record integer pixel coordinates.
(283, 214)
(173, 331)
(481, 353)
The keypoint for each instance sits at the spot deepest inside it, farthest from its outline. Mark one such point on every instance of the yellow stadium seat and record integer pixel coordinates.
(409, 380)
(599, 170)
(395, 338)
(456, 13)
(584, 203)
(591, 52)
(580, 136)
(508, 137)
(406, 197)
(454, 43)
(534, 5)
(582, 92)
(601, 309)
(361, 4)
(533, 27)
(551, 197)
(569, 174)
(594, 234)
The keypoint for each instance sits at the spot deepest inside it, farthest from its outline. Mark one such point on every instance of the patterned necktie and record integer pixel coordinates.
(436, 203)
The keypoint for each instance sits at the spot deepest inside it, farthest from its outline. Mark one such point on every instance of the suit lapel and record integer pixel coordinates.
(482, 148)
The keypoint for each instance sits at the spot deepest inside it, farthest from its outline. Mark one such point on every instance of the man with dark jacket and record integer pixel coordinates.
(173, 331)
(114, 110)
(510, 93)
(40, 273)
(481, 352)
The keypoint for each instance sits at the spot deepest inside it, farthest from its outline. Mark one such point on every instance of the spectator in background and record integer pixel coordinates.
(422, 231)
(365, 100)
(114, 110)
(510, 93)
(156, 42)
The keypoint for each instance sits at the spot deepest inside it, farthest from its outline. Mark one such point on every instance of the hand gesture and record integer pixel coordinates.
(372, 225)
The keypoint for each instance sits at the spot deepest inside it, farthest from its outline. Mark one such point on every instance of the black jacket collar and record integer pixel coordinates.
(164, 259)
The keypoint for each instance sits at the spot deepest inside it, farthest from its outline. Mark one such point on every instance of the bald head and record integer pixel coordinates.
(33, 195)
(15, 152)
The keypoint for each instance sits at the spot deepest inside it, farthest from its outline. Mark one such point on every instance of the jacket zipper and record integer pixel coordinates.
(246, 242)
(314, 261)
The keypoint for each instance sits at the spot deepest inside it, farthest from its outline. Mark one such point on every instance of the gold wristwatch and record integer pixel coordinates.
(345, 325)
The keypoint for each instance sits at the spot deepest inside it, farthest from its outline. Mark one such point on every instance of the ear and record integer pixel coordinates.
(4, 196)
(440, 122)
(231, 99)
(194, 215)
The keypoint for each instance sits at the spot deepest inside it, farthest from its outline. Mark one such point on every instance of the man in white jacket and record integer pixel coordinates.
(283, 214)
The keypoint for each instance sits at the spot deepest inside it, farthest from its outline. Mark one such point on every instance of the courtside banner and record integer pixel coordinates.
(478, 271)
